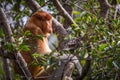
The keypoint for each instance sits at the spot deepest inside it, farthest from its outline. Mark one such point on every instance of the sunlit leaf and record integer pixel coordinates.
(77, 19)
(102, 46)
(35, 54)
(76, 12)
(73, 25)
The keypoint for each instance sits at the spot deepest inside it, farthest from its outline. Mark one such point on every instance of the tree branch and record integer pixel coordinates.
(9, 38)
(64, 70)
(68, 71)
(86, 67)
(115, 13)
(63, 12)
(104, 6)
(69, 9)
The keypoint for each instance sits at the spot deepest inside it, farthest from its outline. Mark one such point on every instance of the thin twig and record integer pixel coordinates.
(116, 11)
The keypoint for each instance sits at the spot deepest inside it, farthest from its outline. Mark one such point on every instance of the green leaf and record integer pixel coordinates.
(23, 47)
(83, 13)
(41, 2)
(109, 62)
(76, 12)
(1, 33)
(27, 33)
(18, 16)
(118, 1)
(94, 19)
(74, 25)
(35, 54)
(77, 19)
(39, 37)
(102, 46)
(88, 19)
(10, 47)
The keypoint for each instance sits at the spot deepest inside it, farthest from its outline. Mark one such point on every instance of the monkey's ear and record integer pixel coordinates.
(42, 15)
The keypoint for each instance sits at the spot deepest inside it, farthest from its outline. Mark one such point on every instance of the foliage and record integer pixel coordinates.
(102, 36)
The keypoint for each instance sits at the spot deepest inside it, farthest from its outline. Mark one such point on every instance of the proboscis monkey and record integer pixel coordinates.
(40, 23)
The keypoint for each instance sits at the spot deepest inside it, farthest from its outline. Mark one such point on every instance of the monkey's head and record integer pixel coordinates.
(40, 23)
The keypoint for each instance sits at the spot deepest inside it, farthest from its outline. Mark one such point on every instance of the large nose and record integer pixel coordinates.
(49, 26)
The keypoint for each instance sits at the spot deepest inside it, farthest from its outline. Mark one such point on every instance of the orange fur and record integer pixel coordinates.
(40, 23)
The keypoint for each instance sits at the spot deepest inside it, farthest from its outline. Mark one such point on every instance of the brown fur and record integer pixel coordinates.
(40, 23)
